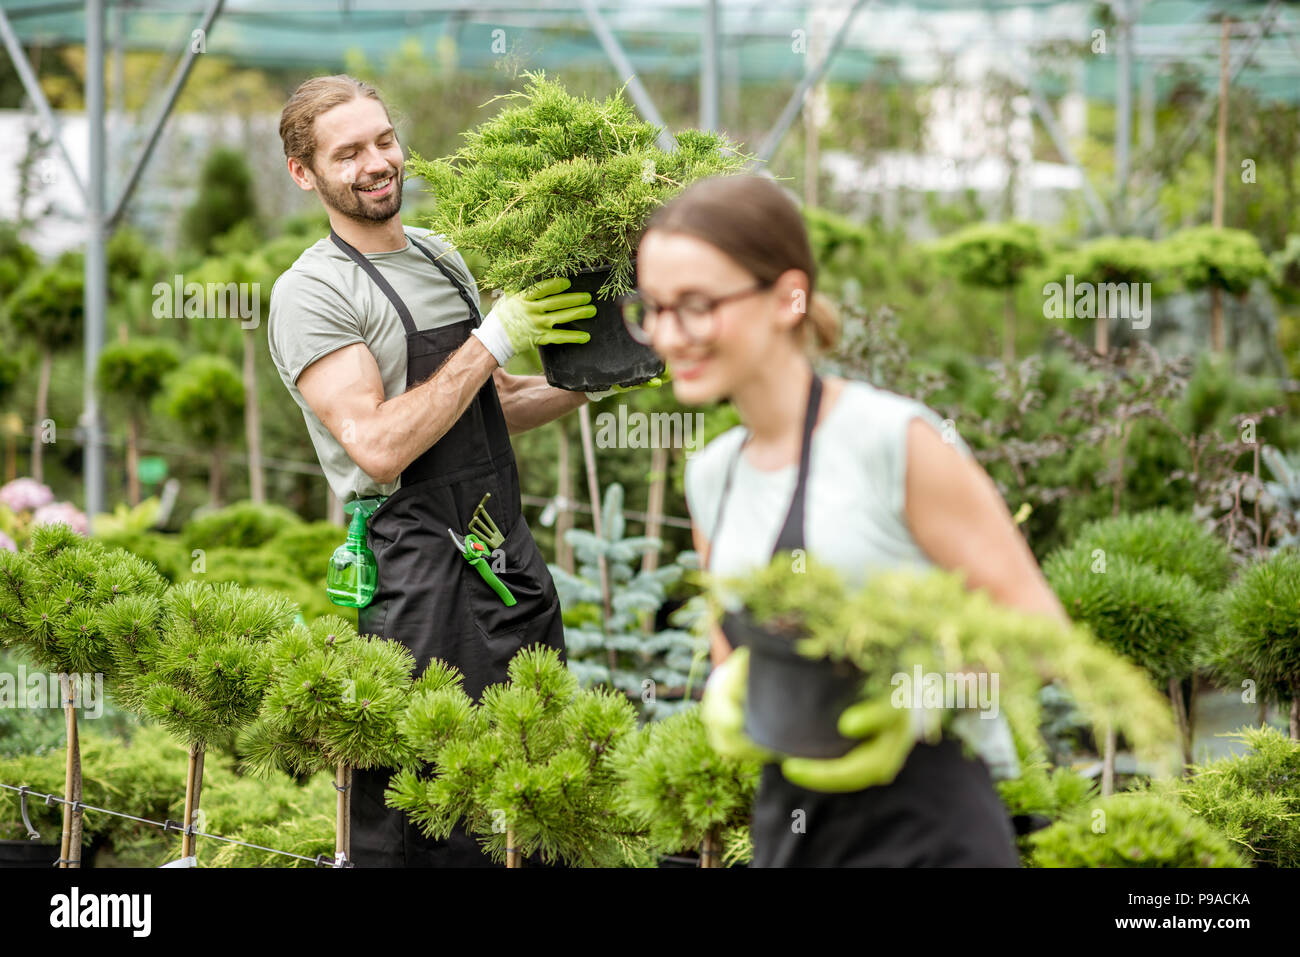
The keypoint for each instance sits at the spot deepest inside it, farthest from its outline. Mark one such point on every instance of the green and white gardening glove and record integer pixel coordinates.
(888, 734)
(722, 709)
(526, 319)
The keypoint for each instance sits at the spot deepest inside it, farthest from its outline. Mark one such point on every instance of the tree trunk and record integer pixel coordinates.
(70, 848)
(252, 423)
(42, 406)
(215, 478)
(655, 506)
(597, 523)
(133, 460)
(1108, 762)
(1217, 339)
(193, 790)
(1295, 715)
(343, 814)
(711, 849)
(1180, 717)
(564, 491)
(1009, 328)
(513, 857)
(1101, 332)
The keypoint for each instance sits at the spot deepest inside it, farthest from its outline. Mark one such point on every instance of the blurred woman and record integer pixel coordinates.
(860, 477)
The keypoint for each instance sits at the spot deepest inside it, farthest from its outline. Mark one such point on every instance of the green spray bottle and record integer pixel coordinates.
(353, 571)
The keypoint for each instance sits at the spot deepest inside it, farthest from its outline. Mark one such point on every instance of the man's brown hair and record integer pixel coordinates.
(312, 98)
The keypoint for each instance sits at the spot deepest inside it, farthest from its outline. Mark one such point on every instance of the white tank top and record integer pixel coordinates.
(854, 510)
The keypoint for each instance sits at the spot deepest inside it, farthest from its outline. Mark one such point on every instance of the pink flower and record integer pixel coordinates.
(64, 512)
(7, 543)
(25, 495)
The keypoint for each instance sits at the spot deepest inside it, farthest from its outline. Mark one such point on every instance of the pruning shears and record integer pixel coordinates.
(476, 553)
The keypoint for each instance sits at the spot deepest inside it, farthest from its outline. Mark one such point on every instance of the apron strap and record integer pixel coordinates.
(386, 288)
(377, 277)
(791, 535)
(451, 277)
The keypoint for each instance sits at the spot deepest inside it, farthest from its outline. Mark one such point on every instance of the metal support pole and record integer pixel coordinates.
(1126, 9)
(37, 95)
(709, 68)
(795, 103)
(614, 50)
(173, 91)
(96, 291)
(1048, 118)
(1196, 127)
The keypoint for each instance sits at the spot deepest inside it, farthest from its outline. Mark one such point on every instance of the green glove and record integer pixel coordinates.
(526, 319)
(654, 383)
(889, 738)
(722, 709)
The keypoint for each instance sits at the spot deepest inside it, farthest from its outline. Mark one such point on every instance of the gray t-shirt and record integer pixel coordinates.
(324, 302)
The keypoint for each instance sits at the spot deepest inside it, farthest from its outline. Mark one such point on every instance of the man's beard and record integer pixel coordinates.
(346, 199)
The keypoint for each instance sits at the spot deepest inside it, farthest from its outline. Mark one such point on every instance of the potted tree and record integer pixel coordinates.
(684, 793)
(334, 700)
(905, 623)
(80, 610)
(1220, 260)
(199, 672)
(133, 372)
(529, 768)
(558, 185)
(1162, 621)
(994, 256)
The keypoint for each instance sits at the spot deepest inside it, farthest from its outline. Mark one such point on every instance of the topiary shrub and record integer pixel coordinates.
(333, 698)
(1253, 798)
(529, 767)
(239, 525)
(684, 793)
(1134, 829)
(1262, 640)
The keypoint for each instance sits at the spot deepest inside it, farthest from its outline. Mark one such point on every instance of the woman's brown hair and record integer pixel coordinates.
(753, 220)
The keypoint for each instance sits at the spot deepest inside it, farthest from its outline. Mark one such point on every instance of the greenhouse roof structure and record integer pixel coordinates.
(754, 38)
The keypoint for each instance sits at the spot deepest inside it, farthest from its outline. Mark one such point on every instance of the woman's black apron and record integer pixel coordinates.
(940, 811)
(428, 597)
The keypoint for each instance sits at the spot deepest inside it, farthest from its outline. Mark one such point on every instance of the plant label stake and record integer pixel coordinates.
(474, 551)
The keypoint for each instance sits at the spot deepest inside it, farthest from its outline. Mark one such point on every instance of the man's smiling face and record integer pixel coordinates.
(357, 169)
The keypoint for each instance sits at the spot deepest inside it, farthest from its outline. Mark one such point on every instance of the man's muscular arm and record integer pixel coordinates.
(527, 401)
(384, 436)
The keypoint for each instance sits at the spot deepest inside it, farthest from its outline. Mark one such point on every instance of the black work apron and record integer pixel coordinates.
(428, 597)
(940, 811)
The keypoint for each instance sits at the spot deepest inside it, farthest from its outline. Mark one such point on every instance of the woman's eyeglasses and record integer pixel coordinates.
(695, 313)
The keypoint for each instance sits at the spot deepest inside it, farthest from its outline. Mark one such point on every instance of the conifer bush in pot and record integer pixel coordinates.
(558, 185)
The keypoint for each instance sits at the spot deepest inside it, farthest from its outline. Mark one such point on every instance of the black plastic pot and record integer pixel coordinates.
(27, 854)
(793, 704)
(610, 357)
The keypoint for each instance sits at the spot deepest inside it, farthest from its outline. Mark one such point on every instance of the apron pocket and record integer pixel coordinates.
(519, 564)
